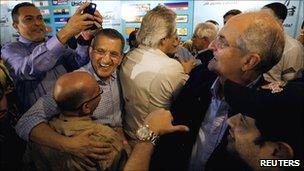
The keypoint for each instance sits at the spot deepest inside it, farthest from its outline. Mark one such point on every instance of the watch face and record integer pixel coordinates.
(143, 133)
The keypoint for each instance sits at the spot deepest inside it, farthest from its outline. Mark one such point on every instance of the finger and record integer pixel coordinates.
(180, 128)
(89, 162)
(100, 144)
(97, 25)
(101, 151)
(87, 16)
(88, 132)
(99, 157)
(97, 14)
(81, 8)
(97, 19)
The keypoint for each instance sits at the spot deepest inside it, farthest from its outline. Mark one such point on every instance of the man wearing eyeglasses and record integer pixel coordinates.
(77, 95)
(106, 54)
(246, 47)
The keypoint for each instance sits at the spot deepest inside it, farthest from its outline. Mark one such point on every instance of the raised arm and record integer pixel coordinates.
(26, 65)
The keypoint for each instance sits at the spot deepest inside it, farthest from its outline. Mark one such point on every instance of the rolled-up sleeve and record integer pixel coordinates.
(25, 66)
(41, 111)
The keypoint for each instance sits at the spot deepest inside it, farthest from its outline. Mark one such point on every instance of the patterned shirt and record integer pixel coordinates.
(108, 111)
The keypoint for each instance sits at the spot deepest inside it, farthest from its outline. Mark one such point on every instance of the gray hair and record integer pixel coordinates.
(206, 30)
(157, 24)
(264, 38)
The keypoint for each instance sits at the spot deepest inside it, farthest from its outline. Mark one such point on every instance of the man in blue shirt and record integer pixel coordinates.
(34, 62)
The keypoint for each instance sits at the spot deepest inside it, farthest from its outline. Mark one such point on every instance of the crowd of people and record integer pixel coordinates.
(223, 100)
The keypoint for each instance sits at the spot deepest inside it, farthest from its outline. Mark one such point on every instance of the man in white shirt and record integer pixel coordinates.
(293, 56)
(149, 78)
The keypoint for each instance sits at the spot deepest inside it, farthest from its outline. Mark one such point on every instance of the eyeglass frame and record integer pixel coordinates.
(223, 44)
(87, 101)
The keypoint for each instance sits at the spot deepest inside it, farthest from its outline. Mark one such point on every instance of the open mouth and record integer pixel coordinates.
(104, 65)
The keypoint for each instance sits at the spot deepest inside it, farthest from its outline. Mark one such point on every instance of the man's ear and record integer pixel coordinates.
(282, 150)
(86, 109)
(251, 61)
(15, 25)
(90, 51)
(162, 41)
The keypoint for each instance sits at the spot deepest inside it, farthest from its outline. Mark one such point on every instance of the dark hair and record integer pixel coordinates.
(279, 9)
(232, 12)
(213, 21)
(110, 33)
(275, 133)
(132, 37)
(2, 91)
(15, 11)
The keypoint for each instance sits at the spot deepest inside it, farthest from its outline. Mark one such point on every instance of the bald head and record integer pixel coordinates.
(72, 89)
(261, 34)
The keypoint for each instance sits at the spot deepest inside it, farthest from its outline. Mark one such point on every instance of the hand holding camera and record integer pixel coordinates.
(85, 17)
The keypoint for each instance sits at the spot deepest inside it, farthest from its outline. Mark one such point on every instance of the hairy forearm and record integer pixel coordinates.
(64, 35)
(140, 157)
(45, 135)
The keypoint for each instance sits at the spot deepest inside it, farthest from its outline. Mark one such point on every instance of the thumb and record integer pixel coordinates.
(181, 128)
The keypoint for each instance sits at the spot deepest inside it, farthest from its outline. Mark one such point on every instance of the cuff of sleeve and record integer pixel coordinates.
(24, 130)
(54, 45)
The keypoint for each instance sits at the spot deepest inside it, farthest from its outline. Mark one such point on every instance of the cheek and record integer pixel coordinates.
(94, 60)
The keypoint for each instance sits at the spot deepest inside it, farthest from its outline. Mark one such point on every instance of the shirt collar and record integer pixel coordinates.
(216, 86)
(90, 68)
(25, 40)
(253, 83)
(153, 50)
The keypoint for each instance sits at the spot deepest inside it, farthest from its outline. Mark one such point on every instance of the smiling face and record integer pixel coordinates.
(106, 55)
(30, 24)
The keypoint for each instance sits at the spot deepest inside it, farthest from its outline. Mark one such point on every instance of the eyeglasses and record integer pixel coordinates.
(103, 52)
(221, 43)
(87, 101)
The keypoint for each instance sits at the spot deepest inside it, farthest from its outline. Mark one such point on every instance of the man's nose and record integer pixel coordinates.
(106, 58)
(212, 46)
(38, 21)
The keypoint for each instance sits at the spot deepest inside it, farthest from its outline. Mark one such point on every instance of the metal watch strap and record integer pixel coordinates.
(153, 138)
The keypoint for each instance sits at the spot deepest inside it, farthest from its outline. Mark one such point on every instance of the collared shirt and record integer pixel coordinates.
(212, 128)
(149, 79)
(211, 131)
(291, 63)
(36, 66)
(108, 111)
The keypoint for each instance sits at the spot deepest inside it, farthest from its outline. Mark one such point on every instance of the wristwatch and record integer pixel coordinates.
(144, 133)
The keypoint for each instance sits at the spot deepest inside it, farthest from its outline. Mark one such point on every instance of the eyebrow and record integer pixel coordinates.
(33, 15)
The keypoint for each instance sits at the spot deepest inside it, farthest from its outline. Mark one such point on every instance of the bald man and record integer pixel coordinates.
(77, 94)
(242, 55)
